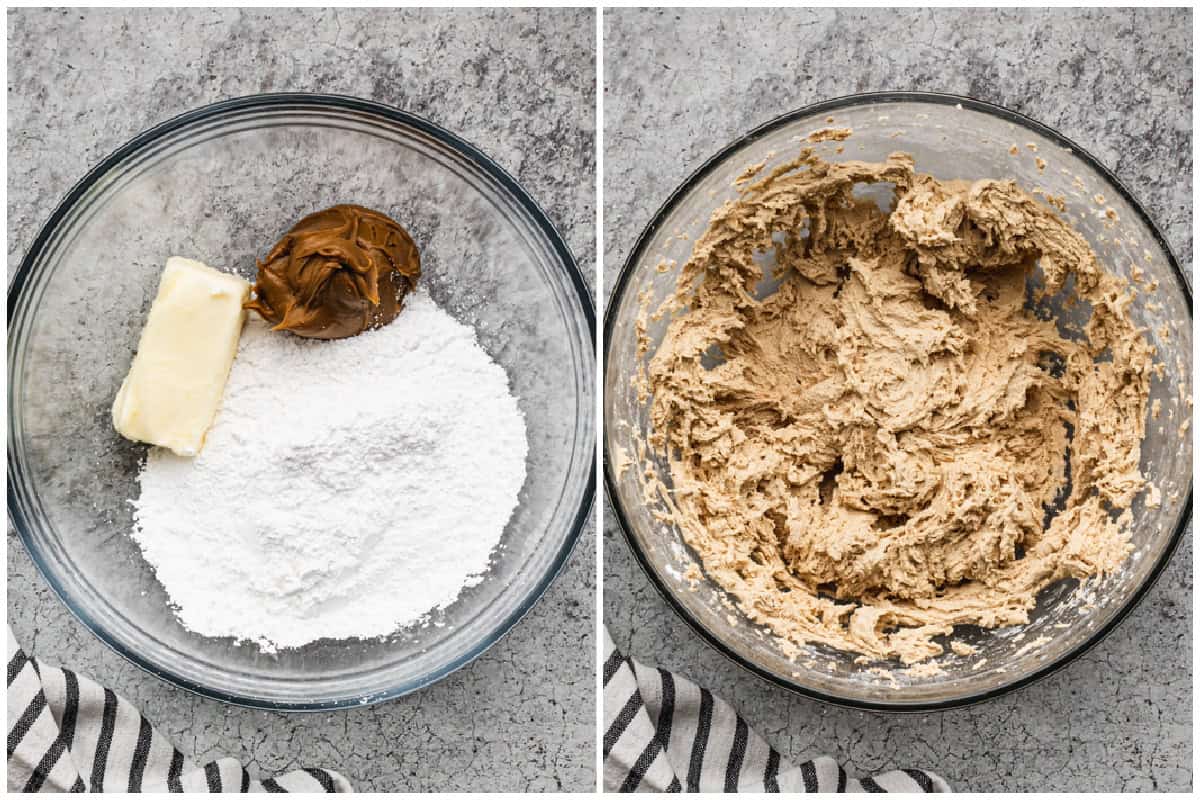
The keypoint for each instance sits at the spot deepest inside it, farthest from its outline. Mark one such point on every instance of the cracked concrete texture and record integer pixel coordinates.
(679, 85)
(517, 83)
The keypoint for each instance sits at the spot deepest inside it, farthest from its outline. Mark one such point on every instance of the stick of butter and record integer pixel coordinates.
(175, 384)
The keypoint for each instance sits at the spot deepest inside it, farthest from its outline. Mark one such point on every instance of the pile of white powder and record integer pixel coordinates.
(346, 489)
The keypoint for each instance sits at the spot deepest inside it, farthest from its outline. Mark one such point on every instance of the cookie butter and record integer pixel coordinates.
(868, 456)
(336, 273)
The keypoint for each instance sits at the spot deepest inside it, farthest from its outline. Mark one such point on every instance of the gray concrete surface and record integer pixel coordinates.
(520, 85)
(681, 84)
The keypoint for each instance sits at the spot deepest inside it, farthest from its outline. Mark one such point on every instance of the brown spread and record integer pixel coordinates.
(336, 273)
(896, 440)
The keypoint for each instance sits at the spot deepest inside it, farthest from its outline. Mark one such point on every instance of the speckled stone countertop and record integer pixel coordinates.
(518, 84)
(679, 85)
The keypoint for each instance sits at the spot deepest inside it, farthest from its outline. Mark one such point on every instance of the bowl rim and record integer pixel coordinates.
(624, 279)
(390, 114)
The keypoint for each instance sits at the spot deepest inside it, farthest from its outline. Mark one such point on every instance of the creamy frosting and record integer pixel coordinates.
(868, 456)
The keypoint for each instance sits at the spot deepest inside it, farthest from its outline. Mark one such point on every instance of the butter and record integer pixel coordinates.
(177, 378)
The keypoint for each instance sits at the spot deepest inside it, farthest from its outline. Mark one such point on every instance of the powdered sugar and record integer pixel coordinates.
(346, 489)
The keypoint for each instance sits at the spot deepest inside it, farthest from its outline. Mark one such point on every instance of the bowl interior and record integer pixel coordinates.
(948, 140)
(221, 185)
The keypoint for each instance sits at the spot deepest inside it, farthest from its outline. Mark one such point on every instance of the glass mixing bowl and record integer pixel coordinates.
(950, 137)
(221, 184)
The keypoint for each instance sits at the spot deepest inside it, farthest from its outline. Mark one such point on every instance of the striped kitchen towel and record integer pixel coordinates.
(67, 734)
(665, 734)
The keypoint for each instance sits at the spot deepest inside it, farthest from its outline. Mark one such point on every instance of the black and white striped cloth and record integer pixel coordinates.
(68, 734)
(665, 734)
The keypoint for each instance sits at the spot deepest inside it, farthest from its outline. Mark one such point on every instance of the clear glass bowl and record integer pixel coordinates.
(950, 137)
(221, 184)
